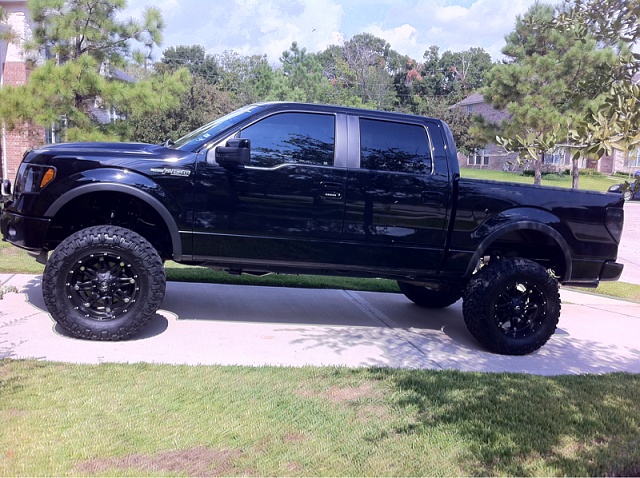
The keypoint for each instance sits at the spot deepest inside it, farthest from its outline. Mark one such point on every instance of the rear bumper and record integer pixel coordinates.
(611, 271)
(591, 273)
(25, 232)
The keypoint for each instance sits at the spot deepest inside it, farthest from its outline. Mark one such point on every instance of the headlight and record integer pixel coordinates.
(33, 178)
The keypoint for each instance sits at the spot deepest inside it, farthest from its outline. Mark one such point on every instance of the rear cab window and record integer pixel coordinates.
(394, 147)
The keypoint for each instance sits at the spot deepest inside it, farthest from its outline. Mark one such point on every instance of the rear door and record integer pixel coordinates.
(396, 202)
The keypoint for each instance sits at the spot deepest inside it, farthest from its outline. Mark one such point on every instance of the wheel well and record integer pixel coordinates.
(531, 244)
(113, 208)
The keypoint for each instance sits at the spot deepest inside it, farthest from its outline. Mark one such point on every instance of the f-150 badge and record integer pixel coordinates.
(172, 172)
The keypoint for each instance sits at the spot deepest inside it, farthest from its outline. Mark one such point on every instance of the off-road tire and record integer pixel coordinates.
(512, 306)
(103, 283)
(432, 299)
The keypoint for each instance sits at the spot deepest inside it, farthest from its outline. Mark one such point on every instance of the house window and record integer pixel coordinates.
(634, 159)
(56, 133)
(469, 109)
(478, 158)
(556, 157)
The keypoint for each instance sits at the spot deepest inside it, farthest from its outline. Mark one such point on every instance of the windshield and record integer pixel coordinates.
(197, 138)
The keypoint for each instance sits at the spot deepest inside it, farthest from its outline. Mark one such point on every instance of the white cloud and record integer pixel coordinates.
(249, 26)
(451, 14)
(455, 27)
(402, 39)
(270, 26)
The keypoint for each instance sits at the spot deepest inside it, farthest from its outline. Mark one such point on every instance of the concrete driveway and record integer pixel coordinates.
(629, 250)
(242, 325)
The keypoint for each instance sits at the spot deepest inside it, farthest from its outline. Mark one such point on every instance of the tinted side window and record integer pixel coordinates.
(300, 138)
(397, 147)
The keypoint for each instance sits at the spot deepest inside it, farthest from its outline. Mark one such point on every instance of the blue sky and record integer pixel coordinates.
(270, 26)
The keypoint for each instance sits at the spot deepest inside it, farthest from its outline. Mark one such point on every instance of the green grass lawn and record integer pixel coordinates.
(587, 179)
(159, 420)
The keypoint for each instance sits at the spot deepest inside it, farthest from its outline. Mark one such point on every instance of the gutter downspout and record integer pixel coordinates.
(5, 161)
(3, 144)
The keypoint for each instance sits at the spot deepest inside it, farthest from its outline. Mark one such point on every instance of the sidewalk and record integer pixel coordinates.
(242, 325)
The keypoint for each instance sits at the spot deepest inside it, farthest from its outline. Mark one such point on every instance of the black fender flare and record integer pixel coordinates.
(153, 202)
(518, 226)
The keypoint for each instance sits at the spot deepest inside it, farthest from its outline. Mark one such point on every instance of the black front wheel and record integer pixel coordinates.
(103, 283)
(512, 306)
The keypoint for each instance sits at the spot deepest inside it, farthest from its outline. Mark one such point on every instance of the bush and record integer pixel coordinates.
(550, 175)
(592, 173)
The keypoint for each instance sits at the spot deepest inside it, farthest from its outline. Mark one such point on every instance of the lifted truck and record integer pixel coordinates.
(300, 188)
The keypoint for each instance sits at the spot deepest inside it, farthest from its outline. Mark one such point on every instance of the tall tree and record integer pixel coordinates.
(248, 78)
(194, 58)
(550, 78)
(68, 29)
(372, 64)
(613, 123)
(201, 103)
(452, 74)
(87, 40)
(341, 77)
(301, 77)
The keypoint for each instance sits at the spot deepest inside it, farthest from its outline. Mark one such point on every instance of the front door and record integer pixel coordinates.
(287, 205)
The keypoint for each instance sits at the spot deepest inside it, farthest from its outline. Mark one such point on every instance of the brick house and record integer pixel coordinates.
(494, 157)
(491, 156)
(14, 70)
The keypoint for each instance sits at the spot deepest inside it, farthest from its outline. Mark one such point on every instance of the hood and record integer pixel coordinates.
(137, 148)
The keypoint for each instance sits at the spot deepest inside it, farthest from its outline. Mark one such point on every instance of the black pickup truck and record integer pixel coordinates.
(300, 188)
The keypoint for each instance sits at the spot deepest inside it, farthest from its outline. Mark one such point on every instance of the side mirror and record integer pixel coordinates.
(236, 153)
(6, 188)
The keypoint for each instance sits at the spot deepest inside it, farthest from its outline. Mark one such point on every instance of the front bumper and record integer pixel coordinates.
(25, 232)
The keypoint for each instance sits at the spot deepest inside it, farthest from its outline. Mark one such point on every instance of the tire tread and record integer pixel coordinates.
(477, 297)
(103, 236)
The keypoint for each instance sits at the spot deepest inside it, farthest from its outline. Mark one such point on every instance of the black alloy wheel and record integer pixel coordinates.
(512, 306)
(103, 286)
(103, 283)
(520, 310)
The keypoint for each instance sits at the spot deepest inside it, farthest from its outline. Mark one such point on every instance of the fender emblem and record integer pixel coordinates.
(172, 172)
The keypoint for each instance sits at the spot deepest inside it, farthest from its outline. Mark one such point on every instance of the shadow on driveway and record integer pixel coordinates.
(248, 325)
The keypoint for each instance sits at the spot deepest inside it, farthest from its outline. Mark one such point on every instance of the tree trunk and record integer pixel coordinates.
(574, 173)
(537, 168)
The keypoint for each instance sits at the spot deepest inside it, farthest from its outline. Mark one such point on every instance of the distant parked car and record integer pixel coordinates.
(628, 194)
(629, 190)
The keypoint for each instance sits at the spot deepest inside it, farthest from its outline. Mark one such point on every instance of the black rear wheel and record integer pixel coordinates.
(512, 306)
(103, 283)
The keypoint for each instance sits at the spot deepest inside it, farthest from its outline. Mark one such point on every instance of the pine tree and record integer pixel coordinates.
(86, 41)
(551, 78)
